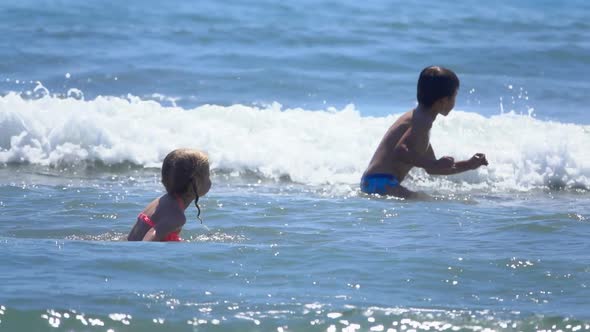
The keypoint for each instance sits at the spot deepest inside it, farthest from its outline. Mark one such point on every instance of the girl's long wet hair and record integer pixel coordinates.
(180, 169)
(197, 201)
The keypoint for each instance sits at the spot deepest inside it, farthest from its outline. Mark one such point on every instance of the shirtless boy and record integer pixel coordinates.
(406, 143)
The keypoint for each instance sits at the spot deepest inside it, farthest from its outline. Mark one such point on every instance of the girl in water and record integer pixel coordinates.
(185, 175)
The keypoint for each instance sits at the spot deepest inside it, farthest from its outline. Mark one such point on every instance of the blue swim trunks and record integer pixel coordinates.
(378, 183)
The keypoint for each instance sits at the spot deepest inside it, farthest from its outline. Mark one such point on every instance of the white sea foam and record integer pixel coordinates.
(309, 146)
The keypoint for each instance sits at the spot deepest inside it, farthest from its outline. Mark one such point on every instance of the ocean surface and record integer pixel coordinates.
(290, 99)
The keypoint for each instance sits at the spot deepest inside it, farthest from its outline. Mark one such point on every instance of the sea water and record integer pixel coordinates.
(290, 100)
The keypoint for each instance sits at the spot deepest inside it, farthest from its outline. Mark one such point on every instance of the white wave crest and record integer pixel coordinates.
(308, 146)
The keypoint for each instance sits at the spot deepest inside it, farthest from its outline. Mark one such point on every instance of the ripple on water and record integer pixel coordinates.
(217, 237)
(110, 236)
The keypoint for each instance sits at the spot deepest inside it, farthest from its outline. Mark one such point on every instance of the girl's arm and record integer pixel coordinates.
(163, 228)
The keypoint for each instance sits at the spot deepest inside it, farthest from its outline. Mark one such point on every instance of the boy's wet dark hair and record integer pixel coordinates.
(435, 83)
(180, 167)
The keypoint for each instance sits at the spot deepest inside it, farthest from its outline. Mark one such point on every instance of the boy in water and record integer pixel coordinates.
(407, 142)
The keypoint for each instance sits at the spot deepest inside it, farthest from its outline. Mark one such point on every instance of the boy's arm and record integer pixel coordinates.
(458, 167)
(479, 159)
(405, 150)
(434, 171)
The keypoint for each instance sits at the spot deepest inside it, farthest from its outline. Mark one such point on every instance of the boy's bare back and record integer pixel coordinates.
(411, 129)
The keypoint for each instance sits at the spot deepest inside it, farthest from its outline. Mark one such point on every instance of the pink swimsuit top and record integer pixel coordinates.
(172, 236)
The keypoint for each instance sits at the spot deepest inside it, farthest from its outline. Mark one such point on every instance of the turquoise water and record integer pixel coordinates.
(290, 101)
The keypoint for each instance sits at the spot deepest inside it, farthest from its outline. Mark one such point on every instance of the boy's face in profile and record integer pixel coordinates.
(448, 103)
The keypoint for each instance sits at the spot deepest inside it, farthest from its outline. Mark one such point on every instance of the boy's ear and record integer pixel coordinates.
(438, 103)
(445, 100)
